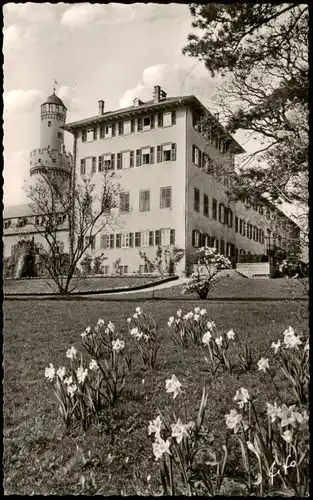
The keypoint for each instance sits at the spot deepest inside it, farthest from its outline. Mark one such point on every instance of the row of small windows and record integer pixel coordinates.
(219, 211)
(205, 162)
(251, 232)
(203, 239)
(128, 159)
(33, 220)
(144, 200)
(55, 108)
(160, 237)
(140, 124)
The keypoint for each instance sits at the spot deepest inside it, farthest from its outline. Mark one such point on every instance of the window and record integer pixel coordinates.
(144, 239)
(221, 213)
(90, 134)
(249, 231)
(60, 135)
(94, 165)
(205, 205)
(236, 224)
(50, 107)
(196, 201)
(165, 236)
(90, 241)
(167, 152)
(49, 123)
(242, 227)
(127, 127)
(167, 119)
(108, 162)
(120, 128)
(82, 166)
(61, 219)
(255, 234)
(196, 155)
(108, 131)
(166, 197)
(214, 209)
(54, 160)
(7, 224)
(125, 270)
(144, 201)
(125, 240)
(261, 236)
(222, 247)
(105, 241)
(197, 239)
(124, 202)
(105, 269)
(147, 156)
(229, 214)
(146, 123)
(84, 135)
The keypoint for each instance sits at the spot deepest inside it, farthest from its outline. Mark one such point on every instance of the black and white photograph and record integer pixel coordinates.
(156, 249)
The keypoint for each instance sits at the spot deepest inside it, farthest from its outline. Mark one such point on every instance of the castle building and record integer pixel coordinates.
(173, 193)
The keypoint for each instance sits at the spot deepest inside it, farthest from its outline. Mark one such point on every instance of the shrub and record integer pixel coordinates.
(208, 264)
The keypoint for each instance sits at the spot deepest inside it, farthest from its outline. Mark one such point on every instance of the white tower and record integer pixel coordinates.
(52, 153)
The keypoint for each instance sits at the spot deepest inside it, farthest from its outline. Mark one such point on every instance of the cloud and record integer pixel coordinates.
(16, 37)
(174, 79)
(31, 12)
(15, 173)
(22, 101)
(81, 15)
(67, 94)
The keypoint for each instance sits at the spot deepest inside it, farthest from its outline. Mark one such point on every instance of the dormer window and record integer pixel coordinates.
(7, 224)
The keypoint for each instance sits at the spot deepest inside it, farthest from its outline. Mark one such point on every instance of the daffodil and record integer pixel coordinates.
(100, 322)
(242, 397)
(273, 411)
(118, 345)
(173, 386)
(231, 334)
(155, 426)
(93, 365)
(68, 380)
(71, 389)
(50, 372)
(179, 430)
(286, 414)
(219, 341)
(160, 447)
(206, 338)
(61, 372)
(111, 326)
(179, 313)
(287, 436)
(263, 364)
(233, 420)
(129, 320)
(210, 325)
(276, 345)
(71, 353)
(138, 310)
(203, 312)
(170, 321)
(81, 374)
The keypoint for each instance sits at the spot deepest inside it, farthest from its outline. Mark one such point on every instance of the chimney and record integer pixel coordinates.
(156, 93)
(163, 94)
(101, 107)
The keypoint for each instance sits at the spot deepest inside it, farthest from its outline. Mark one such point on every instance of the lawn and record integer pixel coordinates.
(41, 285)
(41, 458)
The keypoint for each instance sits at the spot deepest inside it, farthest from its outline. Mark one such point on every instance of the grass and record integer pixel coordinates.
(41, 458)
(42, 285)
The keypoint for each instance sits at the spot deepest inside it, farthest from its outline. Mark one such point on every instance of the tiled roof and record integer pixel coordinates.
(54, 99)
(15, 211)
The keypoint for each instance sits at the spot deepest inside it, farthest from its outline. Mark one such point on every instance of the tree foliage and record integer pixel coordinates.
(262, 50)
(82, 210)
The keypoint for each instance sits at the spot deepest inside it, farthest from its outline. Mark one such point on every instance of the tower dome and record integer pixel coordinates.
(54, 99)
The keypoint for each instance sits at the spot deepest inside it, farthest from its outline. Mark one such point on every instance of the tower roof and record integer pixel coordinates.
(54, 99)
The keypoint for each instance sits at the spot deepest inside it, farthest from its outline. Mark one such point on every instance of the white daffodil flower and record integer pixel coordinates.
(173, 386)
(118, 345)
(71, 353)
(263, 364)
(81, 374)
(50, 372)
(93, 365)
(61, 372)
(242, 397)
(231, 334)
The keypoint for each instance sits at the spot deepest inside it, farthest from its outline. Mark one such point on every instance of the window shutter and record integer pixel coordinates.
(101, 132)
(139, 124)
(172, 237)
(132, 126)
(100, 160)
(200, 159)
(119, 161)
(194, 153)
(160, 119)
(151, 238)
(118, 241)
(138, 157)
(111, 240)
(157, 237)
(159, 154)
(173, 117)
(95, 134)
(131, 159)
(152, 155)
(137, 239)
(152, 121)
(131, 239)
(193, 237)
(173, 152)
(103, 240)
(112, 161)
(82, 167)
(94, 165)
(120, 128)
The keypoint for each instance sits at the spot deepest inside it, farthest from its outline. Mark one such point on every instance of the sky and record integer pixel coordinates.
(114, 52)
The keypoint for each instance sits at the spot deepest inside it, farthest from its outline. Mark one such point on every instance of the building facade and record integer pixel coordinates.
(172, 190)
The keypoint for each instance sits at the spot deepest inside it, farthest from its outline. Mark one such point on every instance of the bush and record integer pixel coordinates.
(208, 264)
